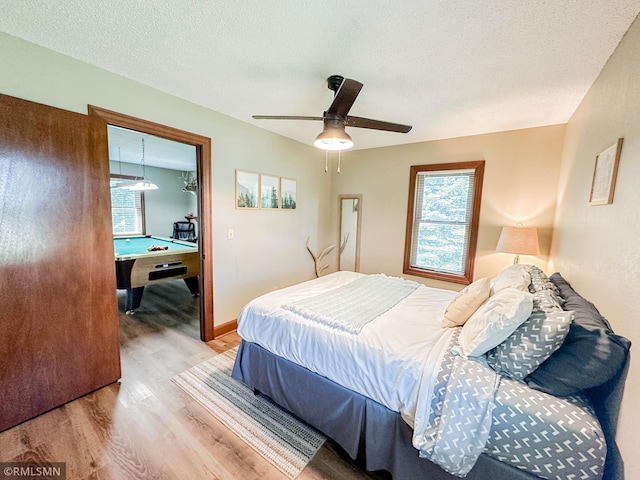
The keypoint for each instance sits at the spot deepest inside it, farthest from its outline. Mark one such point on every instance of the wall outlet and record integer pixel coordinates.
(230, 234)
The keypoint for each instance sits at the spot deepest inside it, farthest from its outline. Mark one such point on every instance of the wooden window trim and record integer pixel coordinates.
(467, 277)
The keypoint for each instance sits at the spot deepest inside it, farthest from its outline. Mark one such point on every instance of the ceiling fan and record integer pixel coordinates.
(336, 118)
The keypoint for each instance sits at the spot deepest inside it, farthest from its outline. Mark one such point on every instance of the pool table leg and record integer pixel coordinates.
(192, 283)
(134, 297)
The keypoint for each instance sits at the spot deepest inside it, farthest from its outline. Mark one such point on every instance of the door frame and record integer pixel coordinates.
(205, 223)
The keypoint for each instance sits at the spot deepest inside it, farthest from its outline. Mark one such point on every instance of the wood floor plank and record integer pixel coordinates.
(145, 426)
(237, 457)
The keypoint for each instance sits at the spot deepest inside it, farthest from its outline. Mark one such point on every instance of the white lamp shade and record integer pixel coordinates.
(519, 240)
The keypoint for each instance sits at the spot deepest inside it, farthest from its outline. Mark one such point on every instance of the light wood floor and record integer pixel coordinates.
(145, 426)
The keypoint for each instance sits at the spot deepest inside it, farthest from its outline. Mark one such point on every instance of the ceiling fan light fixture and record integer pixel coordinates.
(332, 138)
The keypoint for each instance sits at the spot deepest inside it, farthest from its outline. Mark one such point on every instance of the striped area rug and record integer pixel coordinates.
(283, 440)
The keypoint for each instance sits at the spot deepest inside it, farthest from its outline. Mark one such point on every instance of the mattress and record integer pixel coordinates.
(382, 362)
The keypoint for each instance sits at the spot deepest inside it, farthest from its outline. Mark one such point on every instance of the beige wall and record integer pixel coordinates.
(269, 246)
(520, 184)
(596, 247)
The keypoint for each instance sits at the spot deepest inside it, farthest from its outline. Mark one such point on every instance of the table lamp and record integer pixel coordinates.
(518, 240)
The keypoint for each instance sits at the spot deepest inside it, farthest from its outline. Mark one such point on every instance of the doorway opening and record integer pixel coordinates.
(201, 147)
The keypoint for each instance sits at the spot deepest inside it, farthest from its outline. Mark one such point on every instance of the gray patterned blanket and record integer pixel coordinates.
(456, 429)
(470, 410)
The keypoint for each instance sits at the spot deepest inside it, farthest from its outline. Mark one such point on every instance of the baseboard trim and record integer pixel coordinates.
(225, 328)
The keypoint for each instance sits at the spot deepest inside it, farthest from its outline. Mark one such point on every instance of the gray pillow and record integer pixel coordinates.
(532, 342)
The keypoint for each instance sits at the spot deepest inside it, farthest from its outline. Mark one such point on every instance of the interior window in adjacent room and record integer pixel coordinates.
(127, 208)
(442, 220)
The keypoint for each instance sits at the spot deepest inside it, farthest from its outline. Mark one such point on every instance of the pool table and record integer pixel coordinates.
(137, 267)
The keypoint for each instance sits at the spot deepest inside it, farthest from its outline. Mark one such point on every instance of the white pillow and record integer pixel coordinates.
(465, 303)
(494, 321)
(515, 276)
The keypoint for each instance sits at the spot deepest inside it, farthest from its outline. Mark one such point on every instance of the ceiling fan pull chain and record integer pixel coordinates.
(326, 161)
(338, 161)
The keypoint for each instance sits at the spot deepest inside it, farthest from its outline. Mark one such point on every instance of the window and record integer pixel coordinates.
(442, 220)
(127, 208)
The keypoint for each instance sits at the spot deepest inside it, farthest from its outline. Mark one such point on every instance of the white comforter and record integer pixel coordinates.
(391, 360)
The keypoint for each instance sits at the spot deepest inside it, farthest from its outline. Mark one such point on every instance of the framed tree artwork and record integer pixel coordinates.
(604, 175)
(247, 189)
(289, 194)
(269, 191)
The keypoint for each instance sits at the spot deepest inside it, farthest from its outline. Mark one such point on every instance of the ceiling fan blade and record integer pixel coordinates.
(345, 96)
(376, 124)
(284, 117)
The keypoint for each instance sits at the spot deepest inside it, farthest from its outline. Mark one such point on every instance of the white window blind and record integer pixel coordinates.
(442, 220)
(126, 209)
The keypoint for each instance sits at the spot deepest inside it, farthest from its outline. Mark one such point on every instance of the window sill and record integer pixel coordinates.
(444, 277)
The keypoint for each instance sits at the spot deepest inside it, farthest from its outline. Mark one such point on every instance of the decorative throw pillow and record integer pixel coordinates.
(514, 276)
(494, 321)
(590, 355)
(531, 343)
(465, 303)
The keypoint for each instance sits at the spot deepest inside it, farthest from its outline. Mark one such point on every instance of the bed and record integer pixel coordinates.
(366, 360)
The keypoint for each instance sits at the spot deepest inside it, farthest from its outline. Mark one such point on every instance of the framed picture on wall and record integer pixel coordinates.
(247, 189)
(604, 175)
(289, 194)
(269, 191)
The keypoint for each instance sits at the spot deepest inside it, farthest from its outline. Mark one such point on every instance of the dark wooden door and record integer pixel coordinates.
(58, 310)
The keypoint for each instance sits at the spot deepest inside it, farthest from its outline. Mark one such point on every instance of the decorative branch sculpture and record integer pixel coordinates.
(317, 259)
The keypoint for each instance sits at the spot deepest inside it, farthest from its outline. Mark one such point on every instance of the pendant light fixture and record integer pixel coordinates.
(140, 183)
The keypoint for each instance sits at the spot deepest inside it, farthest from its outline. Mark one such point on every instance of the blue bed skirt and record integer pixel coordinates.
(361, 426)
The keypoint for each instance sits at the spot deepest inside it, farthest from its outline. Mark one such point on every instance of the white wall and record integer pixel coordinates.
(269, 246)
(596, 247)
(520, 184)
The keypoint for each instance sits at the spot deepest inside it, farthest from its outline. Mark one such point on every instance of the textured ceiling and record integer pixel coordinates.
(448, 67)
